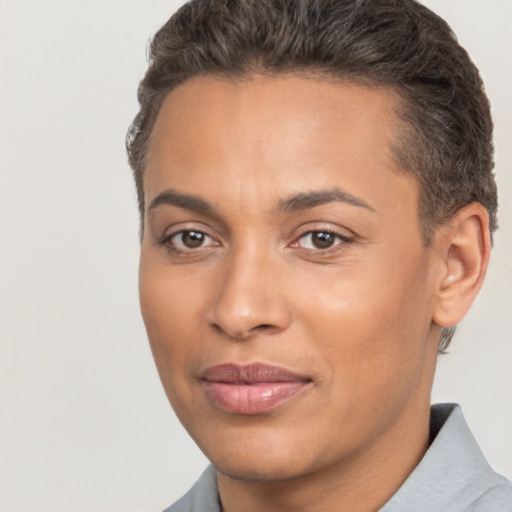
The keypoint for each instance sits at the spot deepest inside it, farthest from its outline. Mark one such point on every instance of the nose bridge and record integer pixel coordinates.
(250, 297)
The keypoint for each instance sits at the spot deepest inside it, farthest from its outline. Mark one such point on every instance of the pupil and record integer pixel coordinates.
(323, 240)
(192, 239)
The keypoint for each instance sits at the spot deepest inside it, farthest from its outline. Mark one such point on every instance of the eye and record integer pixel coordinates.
(320, 240)
(189, 239)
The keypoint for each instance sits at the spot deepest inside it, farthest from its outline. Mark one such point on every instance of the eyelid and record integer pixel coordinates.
(343, 240)
(322, 227)
(330, 232)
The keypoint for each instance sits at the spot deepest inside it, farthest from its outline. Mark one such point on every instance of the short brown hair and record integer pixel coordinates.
(394, 43)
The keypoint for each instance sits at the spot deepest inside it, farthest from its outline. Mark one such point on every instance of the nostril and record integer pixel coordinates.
(263, 327)
(242, 315)
(240, 336)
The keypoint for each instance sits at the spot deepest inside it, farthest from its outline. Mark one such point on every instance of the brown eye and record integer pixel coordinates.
(189, 239)
(319, 240)
(192, 239)
(322, 240)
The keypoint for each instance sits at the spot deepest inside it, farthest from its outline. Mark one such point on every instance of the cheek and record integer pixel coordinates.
(372, 353)
(170, 309)
(373, 323)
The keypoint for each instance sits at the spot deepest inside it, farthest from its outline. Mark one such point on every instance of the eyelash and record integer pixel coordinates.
(166, 241)
(341, 240)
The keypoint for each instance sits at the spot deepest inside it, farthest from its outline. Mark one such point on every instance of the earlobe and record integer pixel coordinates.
(465, 247)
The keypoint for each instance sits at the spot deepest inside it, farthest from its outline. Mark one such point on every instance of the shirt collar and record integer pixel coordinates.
(452, 474)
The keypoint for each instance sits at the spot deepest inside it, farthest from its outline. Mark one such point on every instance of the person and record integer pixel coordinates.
(317, 205)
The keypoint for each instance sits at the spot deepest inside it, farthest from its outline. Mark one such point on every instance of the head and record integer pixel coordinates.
(446, 128)
(310, 175)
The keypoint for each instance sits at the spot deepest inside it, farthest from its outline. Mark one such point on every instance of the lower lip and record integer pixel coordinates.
(254, 398)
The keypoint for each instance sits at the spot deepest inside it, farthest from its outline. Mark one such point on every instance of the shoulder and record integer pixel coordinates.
(202, 497)
(495, 499)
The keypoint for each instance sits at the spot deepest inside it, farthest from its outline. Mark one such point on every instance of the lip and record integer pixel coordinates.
(251, 389)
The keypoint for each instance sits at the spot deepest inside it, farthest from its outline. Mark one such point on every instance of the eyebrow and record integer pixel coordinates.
(306, 200)
(294, 203)
(187, 201)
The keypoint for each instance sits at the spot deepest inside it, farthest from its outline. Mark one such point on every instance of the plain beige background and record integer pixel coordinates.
(84, 424)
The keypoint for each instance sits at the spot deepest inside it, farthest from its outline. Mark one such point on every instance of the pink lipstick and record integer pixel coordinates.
(251, 389)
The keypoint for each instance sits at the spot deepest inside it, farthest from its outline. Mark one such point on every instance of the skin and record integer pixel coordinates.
(360, 319)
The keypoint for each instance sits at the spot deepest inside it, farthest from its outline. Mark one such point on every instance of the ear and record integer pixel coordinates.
(465, 247)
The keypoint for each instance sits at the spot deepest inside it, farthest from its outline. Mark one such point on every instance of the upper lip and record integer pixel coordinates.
(232, 373)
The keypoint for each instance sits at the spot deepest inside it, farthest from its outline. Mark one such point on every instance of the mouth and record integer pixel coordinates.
(251, 389)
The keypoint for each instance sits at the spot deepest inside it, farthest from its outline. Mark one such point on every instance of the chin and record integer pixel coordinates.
(260, 455)
(259, 470)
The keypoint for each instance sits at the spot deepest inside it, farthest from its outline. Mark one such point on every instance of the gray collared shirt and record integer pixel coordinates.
(453, 476)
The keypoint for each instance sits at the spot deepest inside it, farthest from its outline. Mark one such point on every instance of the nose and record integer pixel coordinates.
(250, 298)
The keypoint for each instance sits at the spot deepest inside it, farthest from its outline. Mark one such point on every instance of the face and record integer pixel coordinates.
(284, 283)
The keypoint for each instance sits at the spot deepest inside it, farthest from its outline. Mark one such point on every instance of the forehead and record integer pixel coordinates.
(274, 135)
(285, 107)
